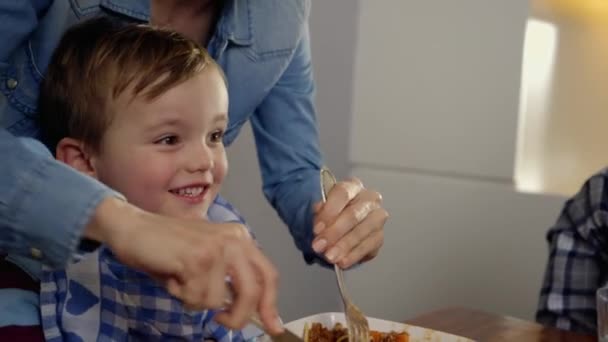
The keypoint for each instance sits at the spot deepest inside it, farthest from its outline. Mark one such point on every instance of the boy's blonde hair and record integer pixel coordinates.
(97, 61)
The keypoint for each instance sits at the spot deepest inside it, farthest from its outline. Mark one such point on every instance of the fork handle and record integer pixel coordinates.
(328, 181)
(340, 280)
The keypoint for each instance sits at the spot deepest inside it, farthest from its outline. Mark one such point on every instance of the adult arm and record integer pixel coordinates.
(44, 204)
(287, 142)
(349, 228)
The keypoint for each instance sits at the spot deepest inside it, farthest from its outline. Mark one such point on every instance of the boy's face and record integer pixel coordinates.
(167, 156)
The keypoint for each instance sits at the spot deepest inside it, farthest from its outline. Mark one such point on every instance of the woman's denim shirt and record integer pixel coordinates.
(263, 47)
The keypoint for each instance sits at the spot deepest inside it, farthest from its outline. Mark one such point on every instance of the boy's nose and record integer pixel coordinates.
(200, 158)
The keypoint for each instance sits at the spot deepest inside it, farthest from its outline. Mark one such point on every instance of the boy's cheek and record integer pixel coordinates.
(221, 169)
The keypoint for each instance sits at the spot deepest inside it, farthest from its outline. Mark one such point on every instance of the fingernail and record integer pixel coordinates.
(319, 227)
(319, 245)
(279, 324)
(332, 254)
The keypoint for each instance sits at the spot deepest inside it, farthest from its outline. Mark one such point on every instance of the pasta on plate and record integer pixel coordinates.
(316, 332)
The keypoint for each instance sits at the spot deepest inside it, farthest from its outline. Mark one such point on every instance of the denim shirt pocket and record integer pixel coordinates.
(268, 55)
(19, 83)
(260, 51)
(21, 77)
(276, 28)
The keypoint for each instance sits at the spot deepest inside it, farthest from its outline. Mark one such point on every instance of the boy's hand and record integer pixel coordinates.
(349, 227)
(192, 259)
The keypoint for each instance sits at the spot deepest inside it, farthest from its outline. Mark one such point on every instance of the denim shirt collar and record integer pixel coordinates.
(234, 24)
(137, 9)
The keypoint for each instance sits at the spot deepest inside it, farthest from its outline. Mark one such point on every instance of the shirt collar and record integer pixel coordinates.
(234, 25)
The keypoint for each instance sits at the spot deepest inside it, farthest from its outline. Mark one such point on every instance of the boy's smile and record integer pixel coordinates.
(194, 193)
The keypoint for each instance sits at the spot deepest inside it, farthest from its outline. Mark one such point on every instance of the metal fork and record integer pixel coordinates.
(356, 323)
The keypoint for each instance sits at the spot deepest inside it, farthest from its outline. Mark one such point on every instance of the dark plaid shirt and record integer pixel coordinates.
(578, 259)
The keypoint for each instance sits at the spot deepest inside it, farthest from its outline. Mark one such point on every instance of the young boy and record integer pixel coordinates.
(144, 111)
(578, 259)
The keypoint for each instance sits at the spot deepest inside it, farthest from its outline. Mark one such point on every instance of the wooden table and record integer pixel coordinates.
(483, 326)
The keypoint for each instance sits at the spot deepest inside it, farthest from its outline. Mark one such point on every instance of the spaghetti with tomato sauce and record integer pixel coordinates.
(318, 333)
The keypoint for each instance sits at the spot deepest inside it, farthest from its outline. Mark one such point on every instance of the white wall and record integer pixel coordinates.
(434, 129)
(564, 121)
(304, 289)
(333, 26)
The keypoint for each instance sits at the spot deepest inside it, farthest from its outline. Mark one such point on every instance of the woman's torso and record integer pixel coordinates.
(254, 41)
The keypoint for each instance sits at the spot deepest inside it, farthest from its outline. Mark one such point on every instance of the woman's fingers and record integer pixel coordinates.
(339, 198)
(349, 226)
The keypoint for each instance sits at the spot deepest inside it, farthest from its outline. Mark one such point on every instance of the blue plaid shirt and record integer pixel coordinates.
(578, 259)
(97, 298)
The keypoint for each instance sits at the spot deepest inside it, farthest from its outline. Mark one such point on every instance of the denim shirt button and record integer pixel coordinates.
(36, 253)
(12, 83)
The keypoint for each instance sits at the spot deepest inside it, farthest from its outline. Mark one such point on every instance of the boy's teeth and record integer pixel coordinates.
(190, 192)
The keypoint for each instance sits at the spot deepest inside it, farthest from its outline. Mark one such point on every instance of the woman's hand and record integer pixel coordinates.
(349, 227)
(192, 259)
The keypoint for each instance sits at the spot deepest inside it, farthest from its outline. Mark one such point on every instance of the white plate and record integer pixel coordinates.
(417, 334)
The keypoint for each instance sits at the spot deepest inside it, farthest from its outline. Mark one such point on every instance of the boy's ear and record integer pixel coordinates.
(73, 152)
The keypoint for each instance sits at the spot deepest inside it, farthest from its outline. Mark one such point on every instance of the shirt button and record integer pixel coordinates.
(12, 83)
(35, 253)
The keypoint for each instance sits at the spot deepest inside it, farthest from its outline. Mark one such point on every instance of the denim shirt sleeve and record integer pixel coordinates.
(287, 140)
(44, 204)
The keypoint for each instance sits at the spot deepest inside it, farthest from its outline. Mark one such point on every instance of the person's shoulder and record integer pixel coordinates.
(602, 173)
(590, 201)
(598, 180)
(594, 192)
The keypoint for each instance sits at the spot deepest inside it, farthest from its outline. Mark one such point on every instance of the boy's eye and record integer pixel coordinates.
(217, 136)
(168, 140)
